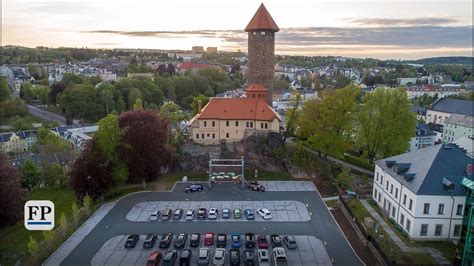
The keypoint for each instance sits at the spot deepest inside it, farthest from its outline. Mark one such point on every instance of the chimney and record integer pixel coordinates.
(469, 169)
(199, 106)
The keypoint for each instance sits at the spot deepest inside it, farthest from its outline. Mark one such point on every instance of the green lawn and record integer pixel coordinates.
(14, 239)
(8, 121)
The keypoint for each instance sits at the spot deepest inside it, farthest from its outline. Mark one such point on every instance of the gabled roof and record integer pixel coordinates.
(256, 88)
(262, 20)
(423, 130)
(237, 109)
(454, 106)
(461, 120)
(432, 167)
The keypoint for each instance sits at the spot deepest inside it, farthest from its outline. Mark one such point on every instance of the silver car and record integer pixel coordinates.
(190, 215)
(263, 257)
(154, 216)
(203, 258)
(213, 213)
(219, 256)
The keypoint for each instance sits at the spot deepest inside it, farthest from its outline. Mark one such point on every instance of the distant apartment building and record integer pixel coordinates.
(211, 50)
(141, 75)
(432, 91)
(18, 141)
(457, 126)
(421, 191)
(444, 107)
(193, 67)
(406, 81)
(197, 49)
(424, 137)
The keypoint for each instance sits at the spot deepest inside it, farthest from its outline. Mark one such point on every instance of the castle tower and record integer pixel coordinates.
(261, 50)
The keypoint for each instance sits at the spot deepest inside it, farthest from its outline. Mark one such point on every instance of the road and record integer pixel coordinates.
(49, 116)
(321, 225)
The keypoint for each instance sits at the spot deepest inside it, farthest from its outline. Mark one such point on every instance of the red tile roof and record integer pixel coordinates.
(256, 88)
(190, 65)
(237, 109)
(262, 20)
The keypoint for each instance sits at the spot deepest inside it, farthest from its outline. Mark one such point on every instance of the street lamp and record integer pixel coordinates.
(89, 184)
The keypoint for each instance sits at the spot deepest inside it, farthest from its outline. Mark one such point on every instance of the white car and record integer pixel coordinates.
(212, 215)
(154, 216)
(219, 256)
(190, 215)
(263, 257)
(279, 256)
(264, 213)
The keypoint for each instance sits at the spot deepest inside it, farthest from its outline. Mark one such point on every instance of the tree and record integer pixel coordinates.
(341, 82)
(343, 178)
(138, 105)
(281, 84)
(107, 97)
(33, 248)
(22, 123)
(27, 93)
(91, 173)
(42, 93)
(81, 101)
(327, 123)
(55, 175)
(133, 95)
(12, 196)
(145, 144)
(172, 112)
(56, 89)
(31, 175)
(4, 90)
(195, 105)
(49, 142)
(385, 124)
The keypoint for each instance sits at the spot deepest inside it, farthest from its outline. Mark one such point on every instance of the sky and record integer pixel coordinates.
(397, 29)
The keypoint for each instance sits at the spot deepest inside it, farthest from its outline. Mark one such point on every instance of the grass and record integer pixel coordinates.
(385, 242)
(8, 121)
(332, 203)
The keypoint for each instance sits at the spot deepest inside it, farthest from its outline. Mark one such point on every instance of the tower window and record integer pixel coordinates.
(262, 33)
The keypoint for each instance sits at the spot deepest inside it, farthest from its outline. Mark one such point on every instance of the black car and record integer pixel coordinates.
(132, 241)
(234, 257)
(178, 214)
(166, 240)
(185, 257)
(201, 214)
(249, 257)
(276, 241)
(221, 240)
(169, 258)
(255, 186)
(194, 240)
(180, 241)
(249, 240)
(150, 240)
(194, 188)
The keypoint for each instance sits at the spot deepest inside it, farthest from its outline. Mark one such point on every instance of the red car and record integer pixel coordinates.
(262, 242)
(209, 239)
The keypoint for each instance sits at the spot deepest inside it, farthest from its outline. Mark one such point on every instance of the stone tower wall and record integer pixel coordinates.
(261, 54)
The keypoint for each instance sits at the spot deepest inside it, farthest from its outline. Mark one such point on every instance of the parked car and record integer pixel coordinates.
(166, 214)
(213, 213)
(237, 213)
(255, 186)
(180, 241)
(150, 240)
(190, 215)
(169, 258)
(225, 213)
(203, 256)
(194, 188)
(276, 241)
(263, 257)
(201, 214)
(178, 214)
(249, 257)
(219, 256)
(155, 216)
(154, 258)
(194, 240)
(166, 240)
(234, 257)
(262, 242)
(185, 257)
(249, 214)
(264, 213)
(249, 239)
(290, 242)
(221, 240)
(279, 256)
(132, 241)
(235, 241)
(209, 239)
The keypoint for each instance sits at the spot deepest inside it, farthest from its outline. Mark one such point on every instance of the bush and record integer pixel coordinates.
(359, 161)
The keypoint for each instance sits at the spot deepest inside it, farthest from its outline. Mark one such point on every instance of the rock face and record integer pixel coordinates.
(264, 152)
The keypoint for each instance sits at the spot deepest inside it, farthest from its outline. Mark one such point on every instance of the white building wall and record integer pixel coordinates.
(436, 117)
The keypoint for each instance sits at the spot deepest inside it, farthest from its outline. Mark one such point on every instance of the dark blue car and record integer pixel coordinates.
(235, 240)
(249, 214)
(194, 188)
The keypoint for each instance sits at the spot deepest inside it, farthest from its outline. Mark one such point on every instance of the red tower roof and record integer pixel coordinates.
(256, 88)
(262, 20)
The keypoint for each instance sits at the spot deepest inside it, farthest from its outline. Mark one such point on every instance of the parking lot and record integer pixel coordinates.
(288, 185)
(282, 211)
(310, 251)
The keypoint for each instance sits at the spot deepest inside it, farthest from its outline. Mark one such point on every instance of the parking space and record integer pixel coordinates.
(310, 251)
(288, 185)
(282, 211)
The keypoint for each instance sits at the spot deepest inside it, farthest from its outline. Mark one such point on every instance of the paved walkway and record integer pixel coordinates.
(71, 243)
(437, 256)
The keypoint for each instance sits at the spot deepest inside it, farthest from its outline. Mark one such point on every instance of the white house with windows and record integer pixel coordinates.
(421, 191)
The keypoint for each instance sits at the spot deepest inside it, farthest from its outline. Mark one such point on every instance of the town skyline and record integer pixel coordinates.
(352, 29)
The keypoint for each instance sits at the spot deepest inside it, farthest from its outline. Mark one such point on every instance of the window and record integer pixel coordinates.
(247, 124)
(402, 219)
(426, 208)
(396, 192)
(261, 125)
(202, 135)
(381, 180)
(197, 136)
(391, 189)
(236, 123)
(438, 229)
(227, 135)
(405, 199)
(375, 193)
(208, 135)
(377, 177)
(266, 125)
(459, 209)
(394, 211)
(213, 123)
(441, 208)
(213, 135)
(386, 185)
(227, 123)
(424, 230)
(379, 196)
(408, 225)
(205, 123)
(457, 230)
(385, 203)
(251, 124)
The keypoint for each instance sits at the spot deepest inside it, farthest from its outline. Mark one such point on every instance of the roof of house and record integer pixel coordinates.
(190, 65)
(418, 109)
(262, 20)
(461, 120)
(423, 130)
(256, 88)
(454, 106)
(237, 109)
(426, 171)
(435, 127)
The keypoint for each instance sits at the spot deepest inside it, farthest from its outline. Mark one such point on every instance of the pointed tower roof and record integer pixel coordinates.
(262, 20)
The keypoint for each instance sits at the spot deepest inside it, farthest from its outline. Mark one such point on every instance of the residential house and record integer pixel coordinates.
(421, 191)
(457, 126)
(441, 109)
(424, 137)
(432, 91)
(193, 67)
(11, 142)
(420, 112)
(141, 75)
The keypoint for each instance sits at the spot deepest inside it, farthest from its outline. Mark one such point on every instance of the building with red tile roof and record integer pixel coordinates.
(262, 21)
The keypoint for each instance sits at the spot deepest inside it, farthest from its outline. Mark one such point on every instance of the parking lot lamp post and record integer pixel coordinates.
(89, 185)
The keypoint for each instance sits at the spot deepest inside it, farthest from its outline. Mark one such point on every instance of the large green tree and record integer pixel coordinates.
(195, 105)
(4, 90)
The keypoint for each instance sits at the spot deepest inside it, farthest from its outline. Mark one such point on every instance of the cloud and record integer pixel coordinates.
(394, 22)
(168, 34)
